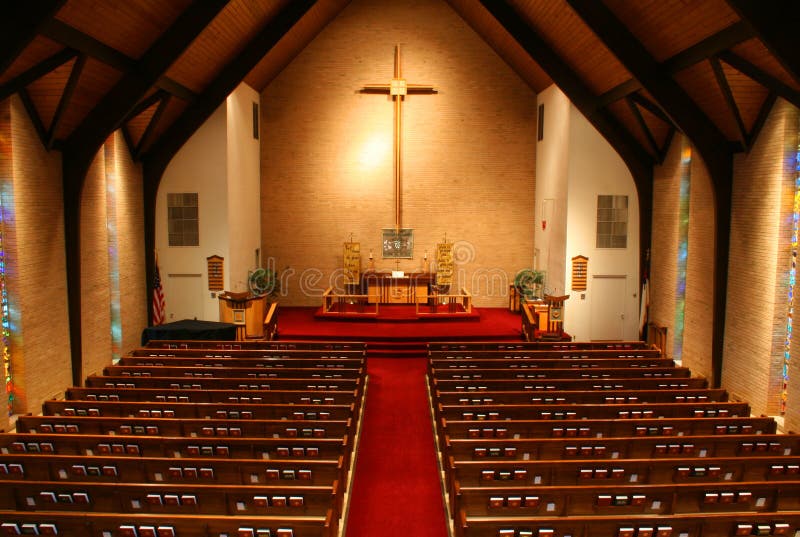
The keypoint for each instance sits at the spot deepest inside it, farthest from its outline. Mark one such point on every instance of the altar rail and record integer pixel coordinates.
(347, 303)
(447, 304)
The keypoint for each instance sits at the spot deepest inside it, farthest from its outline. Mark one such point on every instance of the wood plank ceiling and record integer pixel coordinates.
(64, 57)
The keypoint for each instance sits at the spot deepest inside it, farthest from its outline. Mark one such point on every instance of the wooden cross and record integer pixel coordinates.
(398, 89)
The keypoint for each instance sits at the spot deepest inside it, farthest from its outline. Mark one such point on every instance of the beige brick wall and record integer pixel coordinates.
(468, 151)
(699, 302)
(130, 246)
(95, 289)
(36, 267)
(664, 247)
(758, 269)
(6, 170)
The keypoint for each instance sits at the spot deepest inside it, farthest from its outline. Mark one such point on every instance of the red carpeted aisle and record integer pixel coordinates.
(396, 489)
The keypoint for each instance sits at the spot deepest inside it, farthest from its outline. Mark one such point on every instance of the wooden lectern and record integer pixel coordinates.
(245, 311)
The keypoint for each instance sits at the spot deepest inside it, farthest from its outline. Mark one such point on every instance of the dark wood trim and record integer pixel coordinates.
(148, 131)
(775, 23)
(20, 24)
(745, 67)
(730, 101)
(66, 97)
(715, 44)
(36, 72)
(763, 113)
(637, 114)
(70, 37)
(33, 114)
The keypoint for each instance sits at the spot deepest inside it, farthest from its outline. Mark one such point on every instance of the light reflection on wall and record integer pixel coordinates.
(112, 175)
(683, 249)
(374, 153)
(787, 346)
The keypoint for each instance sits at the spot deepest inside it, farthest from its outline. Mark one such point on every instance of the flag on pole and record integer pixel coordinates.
(158, 298)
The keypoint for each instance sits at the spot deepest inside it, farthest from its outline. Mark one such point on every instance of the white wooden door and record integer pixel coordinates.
(608, 307)
(184, 295)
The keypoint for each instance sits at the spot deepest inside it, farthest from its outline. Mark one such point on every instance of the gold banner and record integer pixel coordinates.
(352, 262)
(444, 263)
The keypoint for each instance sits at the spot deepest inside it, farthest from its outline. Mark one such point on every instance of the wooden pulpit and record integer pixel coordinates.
(245, 311)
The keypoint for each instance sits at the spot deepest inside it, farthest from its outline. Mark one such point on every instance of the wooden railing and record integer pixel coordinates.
(448, 304)
(271, 322)
(657, 336)
(355, 304)
(529, 320)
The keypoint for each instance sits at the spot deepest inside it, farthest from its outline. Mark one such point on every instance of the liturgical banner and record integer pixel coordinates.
(444, 263)
(352, 262)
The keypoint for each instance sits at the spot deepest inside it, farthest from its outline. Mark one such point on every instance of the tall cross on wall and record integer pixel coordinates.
(398, 88)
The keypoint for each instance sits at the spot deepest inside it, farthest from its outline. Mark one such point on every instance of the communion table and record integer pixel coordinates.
(411, 288)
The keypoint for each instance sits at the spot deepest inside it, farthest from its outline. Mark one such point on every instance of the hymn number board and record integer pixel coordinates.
(352, 262)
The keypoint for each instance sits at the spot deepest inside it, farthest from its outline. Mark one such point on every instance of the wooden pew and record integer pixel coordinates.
(244, 411)
(157, 470)
(176, 446)
(775, 446)
(211, 383)
(303, 355)
(323, 364)
(620, 500)
(533, 345)
(86, 524)
(165, 498)
(488, 410)
(257, 345)
(233, 372)
(135, 426)
(574, 384)
(213, 396)
(596, 397)
(523, 366)
(592, 473)
(690, 525)
(607, 428)
(546, 354)
(577, 373)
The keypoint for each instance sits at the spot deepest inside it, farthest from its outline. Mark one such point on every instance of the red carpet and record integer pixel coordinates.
(396, 490)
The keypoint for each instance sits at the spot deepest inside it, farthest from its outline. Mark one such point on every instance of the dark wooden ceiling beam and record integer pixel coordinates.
(637, 114)
(730, 100)
(773, 84)
(157, 157)
(711, 144)
(68, 36)
(776, 23)
(66, 97)
(705, 49)
(20, 24)
(639, 161)
(151, 125)
(33, 114)
(107, 115)
(36, 72)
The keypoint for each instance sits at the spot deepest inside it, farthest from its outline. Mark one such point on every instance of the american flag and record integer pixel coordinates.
(158, 298)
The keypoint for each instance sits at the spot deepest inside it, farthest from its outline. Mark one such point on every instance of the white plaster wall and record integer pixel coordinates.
(595, 168)
(244, 187)
(552, 159)
(200, 166)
